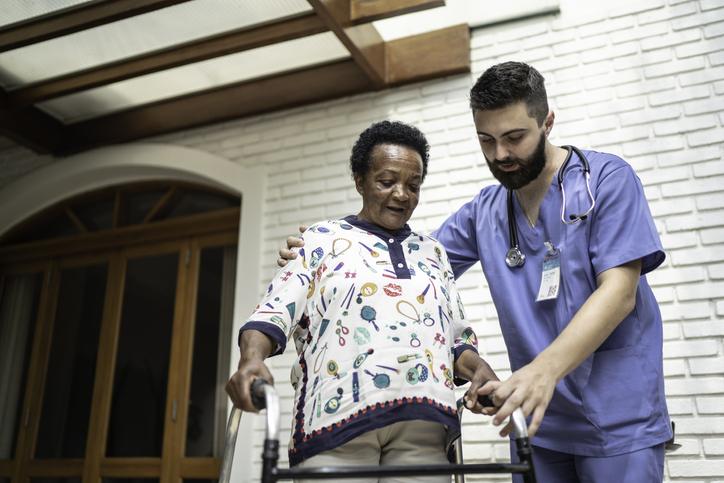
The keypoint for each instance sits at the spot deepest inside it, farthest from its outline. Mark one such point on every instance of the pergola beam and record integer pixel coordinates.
(429, 55)
(31, 128)
(370, 10)
(412, 59)
(374, 65)
(363, 41)
(330, 81)
(73, 19)
(195, 51)
(349, 20)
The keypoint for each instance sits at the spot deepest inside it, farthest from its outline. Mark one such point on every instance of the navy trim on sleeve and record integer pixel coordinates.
(271, 330)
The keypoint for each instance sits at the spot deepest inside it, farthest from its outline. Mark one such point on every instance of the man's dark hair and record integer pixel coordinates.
(387, 132)
(507, 83)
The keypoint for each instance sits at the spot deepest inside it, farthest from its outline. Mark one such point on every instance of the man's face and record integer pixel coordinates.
(512, 143)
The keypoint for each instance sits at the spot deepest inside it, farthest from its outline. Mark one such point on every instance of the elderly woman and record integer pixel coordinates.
(378, 326)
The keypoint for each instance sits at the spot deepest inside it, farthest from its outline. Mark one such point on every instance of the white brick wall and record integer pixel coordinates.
(644, 80)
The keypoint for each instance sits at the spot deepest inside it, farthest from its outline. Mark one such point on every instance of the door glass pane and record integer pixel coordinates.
(97, 216)
(210, 366)
(142, 361)
(71, 368)
(141, 204)
(193, 202)
(59, 226)
(18, 316)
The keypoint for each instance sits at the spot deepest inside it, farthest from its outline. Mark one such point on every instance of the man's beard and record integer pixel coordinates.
(528, 169)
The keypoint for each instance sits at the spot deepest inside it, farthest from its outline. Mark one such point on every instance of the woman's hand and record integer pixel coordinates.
(470, 366)
(292, 242)
(239, 386)
(255, 347)
(483, 388)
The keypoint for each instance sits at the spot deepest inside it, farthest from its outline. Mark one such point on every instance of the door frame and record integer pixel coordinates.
(114, 165)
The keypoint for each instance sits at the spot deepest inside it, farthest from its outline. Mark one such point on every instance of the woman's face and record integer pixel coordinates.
(391, 188)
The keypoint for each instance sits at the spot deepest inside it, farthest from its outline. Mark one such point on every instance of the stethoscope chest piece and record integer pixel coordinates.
(514, 257)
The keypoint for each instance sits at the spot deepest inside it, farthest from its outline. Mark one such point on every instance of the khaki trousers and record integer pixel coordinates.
(404, 443)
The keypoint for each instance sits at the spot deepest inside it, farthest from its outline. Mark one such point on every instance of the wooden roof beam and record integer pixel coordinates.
(32, 128)
(363, 41)
(73, 19)
(304, 86)
(195, 51)
(345, 18)
(371, 10)
(429, 55)
(412, 59)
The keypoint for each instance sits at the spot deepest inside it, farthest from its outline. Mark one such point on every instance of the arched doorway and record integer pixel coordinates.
(115, 317)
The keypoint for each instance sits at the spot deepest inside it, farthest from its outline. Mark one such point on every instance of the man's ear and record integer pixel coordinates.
(548, 123)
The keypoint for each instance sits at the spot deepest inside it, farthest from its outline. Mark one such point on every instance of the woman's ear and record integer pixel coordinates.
(358, 183)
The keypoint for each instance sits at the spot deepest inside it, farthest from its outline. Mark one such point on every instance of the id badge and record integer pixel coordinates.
(550, 281)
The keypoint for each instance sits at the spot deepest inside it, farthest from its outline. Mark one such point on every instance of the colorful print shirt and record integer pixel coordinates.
(377, 323)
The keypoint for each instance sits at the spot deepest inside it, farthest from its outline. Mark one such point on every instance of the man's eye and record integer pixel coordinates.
(387, 183)
(486, 140)
(414, 188)
(515, 139)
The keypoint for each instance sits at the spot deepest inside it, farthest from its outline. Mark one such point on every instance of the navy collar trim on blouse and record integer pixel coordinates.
(399, 267)
(401, 235)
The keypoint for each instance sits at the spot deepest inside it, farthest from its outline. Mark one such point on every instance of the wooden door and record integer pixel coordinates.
(121, 348)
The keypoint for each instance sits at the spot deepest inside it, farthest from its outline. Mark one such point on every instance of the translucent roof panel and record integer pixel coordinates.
(137, 35)
(272, 59)
(14, 11)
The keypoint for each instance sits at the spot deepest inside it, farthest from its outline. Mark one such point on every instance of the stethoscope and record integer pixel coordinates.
(514, 257)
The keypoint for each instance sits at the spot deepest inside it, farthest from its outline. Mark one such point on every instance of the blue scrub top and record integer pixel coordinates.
(614, 401)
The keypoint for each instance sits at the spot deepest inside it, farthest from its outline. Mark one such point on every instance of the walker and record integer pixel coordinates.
(265, 396)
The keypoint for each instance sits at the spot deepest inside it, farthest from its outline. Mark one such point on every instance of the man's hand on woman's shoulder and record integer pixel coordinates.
(292, 242)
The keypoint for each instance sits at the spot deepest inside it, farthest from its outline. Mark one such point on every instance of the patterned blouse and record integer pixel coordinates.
(377, 323)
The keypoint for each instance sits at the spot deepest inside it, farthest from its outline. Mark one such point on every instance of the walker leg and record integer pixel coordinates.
(269, 456)
(232, 429)
(525, 456)
(459, 478)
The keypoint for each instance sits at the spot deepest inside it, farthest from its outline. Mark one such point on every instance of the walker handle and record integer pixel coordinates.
(257, 393)
(487, 400)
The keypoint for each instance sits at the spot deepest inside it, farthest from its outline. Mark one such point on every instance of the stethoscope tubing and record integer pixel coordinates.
(514, 257)
(584, 160)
